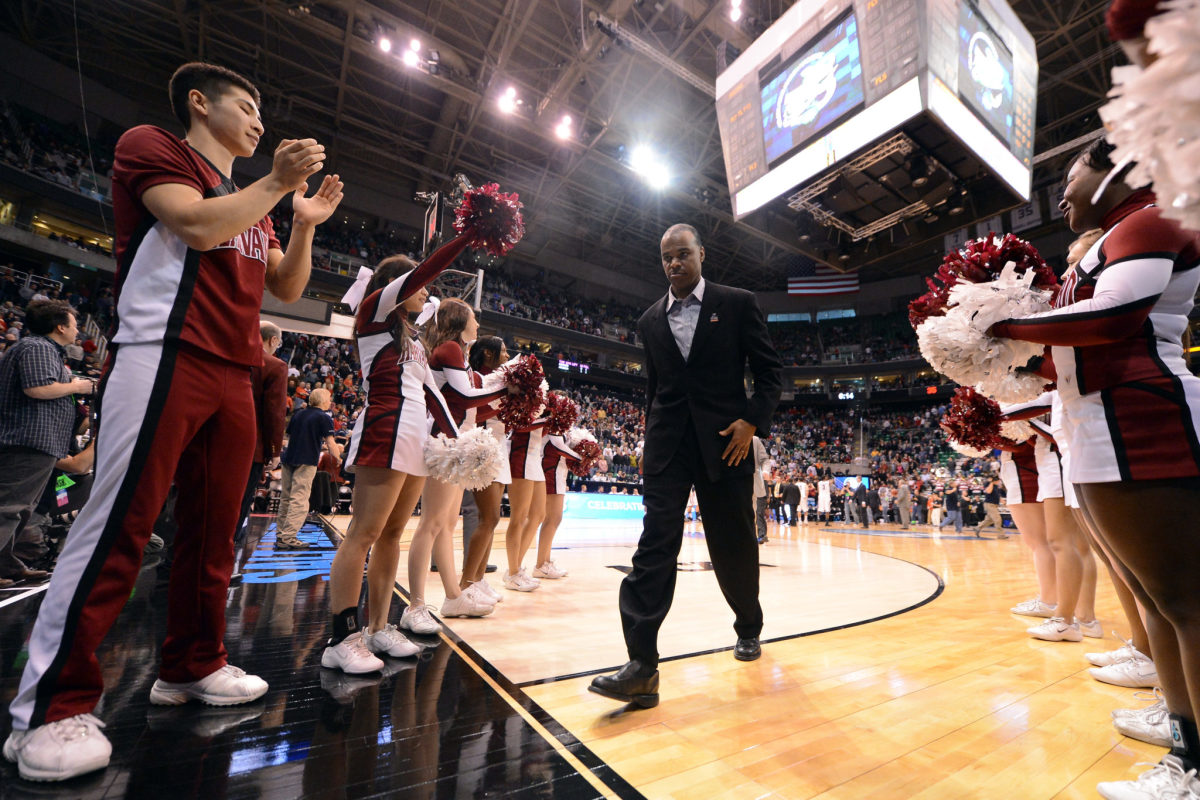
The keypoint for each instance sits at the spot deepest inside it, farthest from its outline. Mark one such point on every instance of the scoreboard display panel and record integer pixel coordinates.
(830, 77)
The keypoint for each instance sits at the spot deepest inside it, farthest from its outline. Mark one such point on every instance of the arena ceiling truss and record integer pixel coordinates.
(322, 73)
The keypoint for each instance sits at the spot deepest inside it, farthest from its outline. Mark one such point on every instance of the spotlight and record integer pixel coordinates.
(563, 130)
(508, 100)
(919, 170)
(958, 201)
(646, 163)
(411, 58)
(735, 13)
(415, 45)
(385, 44)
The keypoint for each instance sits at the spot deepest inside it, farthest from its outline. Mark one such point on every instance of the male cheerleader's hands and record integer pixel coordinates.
(318, 208)
(741, 439)
(297, 160)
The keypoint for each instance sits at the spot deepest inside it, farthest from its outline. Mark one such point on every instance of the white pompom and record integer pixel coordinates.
(966, 450)
(1017, 430)
(472, 461)
(576, 435)
(1154, 114)
(957, 344)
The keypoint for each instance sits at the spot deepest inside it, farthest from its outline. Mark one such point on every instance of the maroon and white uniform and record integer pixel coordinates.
(1131, 407)
(525, 452)
(176, 406)
(555, 458)
(461, 386)
(391, 430)
(1019, 473)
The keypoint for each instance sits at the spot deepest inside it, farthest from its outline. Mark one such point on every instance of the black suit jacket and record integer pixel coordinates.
(708, 389)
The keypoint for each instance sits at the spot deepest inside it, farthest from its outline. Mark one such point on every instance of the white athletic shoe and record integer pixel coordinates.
(351, 656)
(549, 570)
(228, 686)
(1166, 779)
(390, 642)
(529, 577)
(1137, 672)
(519, 582)
(59, 750)
(479, 595)
(1106, 659)
(1056, 629)
(486, 591)
(1034, 608)
(1147, 724)
(418, 619)
(1092, 630)
(467, 604)
(1155, 696)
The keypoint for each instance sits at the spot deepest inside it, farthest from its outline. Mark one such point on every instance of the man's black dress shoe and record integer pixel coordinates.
(747, 648)
(629, 684)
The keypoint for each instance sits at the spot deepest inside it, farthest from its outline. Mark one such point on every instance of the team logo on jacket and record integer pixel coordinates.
(251, 244)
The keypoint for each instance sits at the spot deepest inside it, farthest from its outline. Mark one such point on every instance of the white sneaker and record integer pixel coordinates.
(1135, 673)
(59, 750)
(485, 591)
(1155, 696)
(467, 604)
(1056, 629)
(351, 656)
(1092, 630)
(418, 620)
(1147, 724)
(1034, 608)
(1122, 653)
(479, 595)
(519, 582)
(549, 570)
(1167, 779)
(529, 577)
(390, 642)
(228, 686)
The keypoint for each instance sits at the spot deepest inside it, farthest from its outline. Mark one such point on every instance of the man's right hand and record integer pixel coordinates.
(296, 160)
(82, 386)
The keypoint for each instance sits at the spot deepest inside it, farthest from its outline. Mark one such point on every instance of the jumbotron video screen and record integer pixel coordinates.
(831, 77)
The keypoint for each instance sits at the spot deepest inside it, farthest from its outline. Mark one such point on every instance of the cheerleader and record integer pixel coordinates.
(1131, 412)
(802, 485)
(825, 499)
(526, 500)
(1020, 474)
(386, 454)
(453, 325)
(487, 354)
(555, 460)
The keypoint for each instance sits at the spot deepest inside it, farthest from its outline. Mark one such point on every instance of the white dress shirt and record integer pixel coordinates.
(683, 315)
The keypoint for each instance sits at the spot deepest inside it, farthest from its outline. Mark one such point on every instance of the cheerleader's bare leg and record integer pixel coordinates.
(553, 518)
(476, 557)
(537, 513)
(385, 555)
(376, 490)
(1150, 528)
(520, 496)
(437, 499)
(1031, 522)
(1135, 615)
(1068, 566)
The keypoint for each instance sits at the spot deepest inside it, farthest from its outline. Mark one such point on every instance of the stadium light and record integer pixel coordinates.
(385, 44)
(735, 13)
(647, 163)
(411, 58)
(563, 130)
(415, 45)
(508, 100)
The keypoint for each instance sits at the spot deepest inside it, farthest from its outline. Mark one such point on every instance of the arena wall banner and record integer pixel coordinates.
(584, 505)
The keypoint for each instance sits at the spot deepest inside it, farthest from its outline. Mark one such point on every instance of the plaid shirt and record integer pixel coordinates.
(44, 425)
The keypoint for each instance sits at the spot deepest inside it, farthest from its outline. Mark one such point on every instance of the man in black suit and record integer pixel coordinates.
(700, 427)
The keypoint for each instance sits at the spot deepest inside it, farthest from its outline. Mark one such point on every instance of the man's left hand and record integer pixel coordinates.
(741, 439)
(318, 208)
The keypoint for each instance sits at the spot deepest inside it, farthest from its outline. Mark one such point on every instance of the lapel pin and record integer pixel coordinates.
(713, 318)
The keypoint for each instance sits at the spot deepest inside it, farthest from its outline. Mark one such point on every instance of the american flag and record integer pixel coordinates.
(807, 277)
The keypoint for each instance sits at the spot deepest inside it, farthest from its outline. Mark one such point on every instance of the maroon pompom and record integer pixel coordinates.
(589, 453)
(562, 411)
(979, 261)
(491, 219)
(525, 398)
(974, 420)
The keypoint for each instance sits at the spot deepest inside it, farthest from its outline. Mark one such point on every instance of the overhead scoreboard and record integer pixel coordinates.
(831, 77)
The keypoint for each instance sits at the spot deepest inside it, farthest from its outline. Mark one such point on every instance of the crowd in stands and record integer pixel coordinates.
(56, 152)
